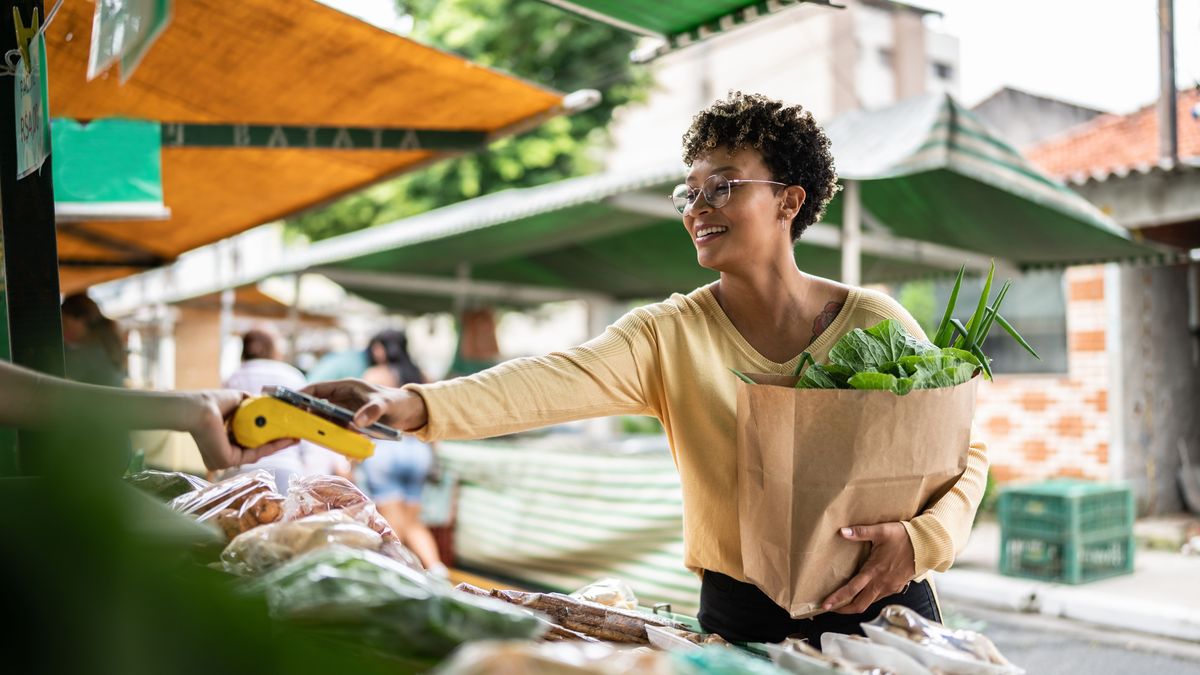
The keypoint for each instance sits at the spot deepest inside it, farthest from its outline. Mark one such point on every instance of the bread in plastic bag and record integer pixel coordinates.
(610, 592)
(267, 547)
(554, 658)
(365, 598)
(165, 485)
(309, 495)
(236, 504)
(937, 647)
(314, 494)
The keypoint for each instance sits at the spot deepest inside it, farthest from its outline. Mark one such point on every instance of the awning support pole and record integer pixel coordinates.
(851, 233)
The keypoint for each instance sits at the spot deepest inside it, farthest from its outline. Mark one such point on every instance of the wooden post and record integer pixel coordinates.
(30, 247)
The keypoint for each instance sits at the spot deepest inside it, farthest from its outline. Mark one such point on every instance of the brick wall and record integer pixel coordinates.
(1042, 426)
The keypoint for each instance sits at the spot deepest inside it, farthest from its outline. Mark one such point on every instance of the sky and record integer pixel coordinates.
(1099, 53)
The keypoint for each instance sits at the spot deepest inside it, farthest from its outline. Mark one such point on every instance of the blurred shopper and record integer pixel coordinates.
(94, 349)
(395, 475)
(263, 366)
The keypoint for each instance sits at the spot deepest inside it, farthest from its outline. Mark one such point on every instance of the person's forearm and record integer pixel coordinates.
(29, 399)
(941, 531)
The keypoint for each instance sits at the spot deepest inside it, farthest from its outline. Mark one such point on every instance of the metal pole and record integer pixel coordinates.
(1168, 125)
(851, 233)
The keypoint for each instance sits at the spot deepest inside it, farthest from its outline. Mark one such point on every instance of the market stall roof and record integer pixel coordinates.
(678, 24)
(930, 170)
(612, 235)
(281, 66)
(937, 190)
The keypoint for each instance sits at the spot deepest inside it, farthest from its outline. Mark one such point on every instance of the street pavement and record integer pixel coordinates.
(1051, 646)
(1161, 598)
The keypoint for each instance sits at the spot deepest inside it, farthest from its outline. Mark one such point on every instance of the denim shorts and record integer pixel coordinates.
(397, 470)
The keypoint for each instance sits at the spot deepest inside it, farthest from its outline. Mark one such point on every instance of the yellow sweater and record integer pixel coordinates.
(671, 360)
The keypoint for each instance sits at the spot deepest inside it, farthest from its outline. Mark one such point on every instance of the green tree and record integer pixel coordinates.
(530, 40)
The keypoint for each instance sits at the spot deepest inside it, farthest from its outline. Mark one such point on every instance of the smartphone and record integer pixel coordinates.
(335, 413)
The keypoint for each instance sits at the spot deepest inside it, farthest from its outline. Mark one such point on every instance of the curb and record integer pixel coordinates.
(1078, 604)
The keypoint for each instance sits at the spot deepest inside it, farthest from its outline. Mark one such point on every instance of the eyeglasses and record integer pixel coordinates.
(716, 191)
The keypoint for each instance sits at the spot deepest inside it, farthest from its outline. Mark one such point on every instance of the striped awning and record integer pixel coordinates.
(550, 513)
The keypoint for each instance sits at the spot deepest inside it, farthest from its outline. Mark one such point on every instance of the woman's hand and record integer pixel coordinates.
(372, 403)
(887, 570)
(204, 415)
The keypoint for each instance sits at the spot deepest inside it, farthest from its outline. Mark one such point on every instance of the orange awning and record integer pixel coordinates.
(264, 62)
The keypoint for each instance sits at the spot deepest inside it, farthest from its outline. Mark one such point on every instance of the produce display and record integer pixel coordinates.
(325, 561)
(370, 599)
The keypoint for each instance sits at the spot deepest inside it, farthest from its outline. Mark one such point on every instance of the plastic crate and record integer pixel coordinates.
(1067, 531)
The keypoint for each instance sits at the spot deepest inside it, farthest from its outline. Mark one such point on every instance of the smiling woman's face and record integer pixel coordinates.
(747, 230)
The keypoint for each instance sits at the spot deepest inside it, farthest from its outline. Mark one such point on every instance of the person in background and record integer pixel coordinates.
(33, 400)
(395, 474)
(263, 366)
(94, 349)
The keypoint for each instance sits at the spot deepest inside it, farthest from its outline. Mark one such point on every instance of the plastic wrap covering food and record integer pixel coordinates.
(237, 504)
(311, 495)
(369, 599)
(871, 657)
(563, 658)
(588, 618)
(609, 592)
(165, 485)
(308, 495)
(267, 547)
(939, 648)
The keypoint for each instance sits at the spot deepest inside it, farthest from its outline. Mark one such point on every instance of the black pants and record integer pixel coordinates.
(739, 612)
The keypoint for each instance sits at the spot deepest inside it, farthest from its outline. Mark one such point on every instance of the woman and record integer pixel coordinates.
(395, 474)
(760, 173)
(95, 352)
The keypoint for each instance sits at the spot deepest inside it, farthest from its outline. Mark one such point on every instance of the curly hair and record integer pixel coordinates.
(794, 148)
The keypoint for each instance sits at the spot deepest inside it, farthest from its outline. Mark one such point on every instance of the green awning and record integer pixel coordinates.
(937, 190)
(678, 23)
(929, 170)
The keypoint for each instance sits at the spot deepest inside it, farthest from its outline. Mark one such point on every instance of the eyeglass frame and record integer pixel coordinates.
(691, 197)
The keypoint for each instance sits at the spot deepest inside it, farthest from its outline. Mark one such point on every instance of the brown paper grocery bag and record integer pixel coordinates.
(811, 461)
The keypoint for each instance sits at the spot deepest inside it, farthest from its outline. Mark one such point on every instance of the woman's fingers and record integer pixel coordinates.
(849, 591)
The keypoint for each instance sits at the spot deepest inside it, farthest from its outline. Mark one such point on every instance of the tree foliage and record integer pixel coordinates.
(530, 40)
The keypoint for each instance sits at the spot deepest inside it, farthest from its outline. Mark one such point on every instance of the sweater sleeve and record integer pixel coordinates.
(604, 376)
(940, 532)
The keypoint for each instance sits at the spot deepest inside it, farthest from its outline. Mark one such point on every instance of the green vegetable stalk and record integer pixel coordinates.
(886, 357)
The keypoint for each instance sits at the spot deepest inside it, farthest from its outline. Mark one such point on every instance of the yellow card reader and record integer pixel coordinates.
(285, 413)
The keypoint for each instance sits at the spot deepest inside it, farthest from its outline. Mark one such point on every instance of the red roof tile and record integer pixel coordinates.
(1114, 142)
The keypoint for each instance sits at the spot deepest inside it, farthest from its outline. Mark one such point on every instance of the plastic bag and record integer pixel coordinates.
(610, 592)
(310, 495)
(267, 547)
(368, 599)
(871, 656)
(236, 505)
(556, 658)
(938, 647)
(166, 485)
